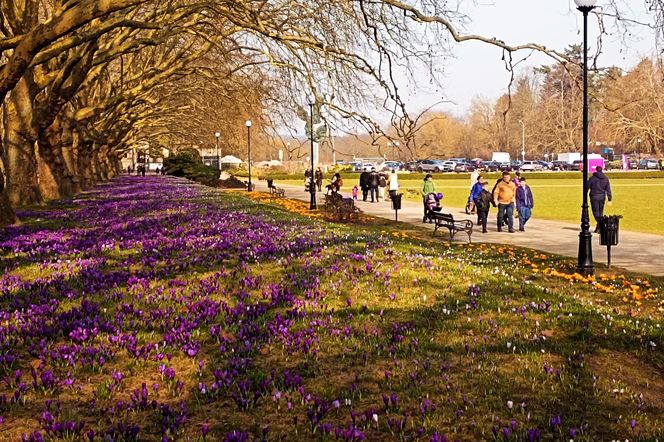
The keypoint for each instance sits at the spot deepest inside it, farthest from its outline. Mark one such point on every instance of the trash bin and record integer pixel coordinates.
(396, 201)
(608, 230)
(609, 226)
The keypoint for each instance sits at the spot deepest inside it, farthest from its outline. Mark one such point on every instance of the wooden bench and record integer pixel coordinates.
(274, 190)
(447, 221)
(341, 208)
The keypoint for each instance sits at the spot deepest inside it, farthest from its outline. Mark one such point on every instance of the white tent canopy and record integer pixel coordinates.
(230, 159)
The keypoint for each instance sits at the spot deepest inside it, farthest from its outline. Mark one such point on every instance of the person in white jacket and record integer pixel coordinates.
(393, 183)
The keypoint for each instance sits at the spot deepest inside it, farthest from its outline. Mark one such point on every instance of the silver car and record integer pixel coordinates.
(430, 166)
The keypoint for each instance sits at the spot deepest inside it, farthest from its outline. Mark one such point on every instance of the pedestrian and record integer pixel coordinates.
(393, 184)
(354, 191)
(382, 184)
(373, 184)
(504, 197)
(483, 204)
(474, 177)
(319, 178)
(475, 192)
(364, 183)
(428, 186)
(524, 203)
(600, 190)
(517, 178)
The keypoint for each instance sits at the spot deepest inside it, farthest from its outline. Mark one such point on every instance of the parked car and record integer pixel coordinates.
(391, 165)
(410, 166)
(448, 166)
(531, 166)
(465, 166)
(490, 166)
(504, 166)
(576, 165)
(515, 165)
(560, 165)
(430, 166)
(546, 165)
(648, 164)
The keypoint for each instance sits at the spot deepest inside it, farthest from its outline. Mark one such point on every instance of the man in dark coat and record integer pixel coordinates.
(364, 184)
(600, 190)
(374, 180)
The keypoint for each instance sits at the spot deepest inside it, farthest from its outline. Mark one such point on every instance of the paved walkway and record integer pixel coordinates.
(637, 252)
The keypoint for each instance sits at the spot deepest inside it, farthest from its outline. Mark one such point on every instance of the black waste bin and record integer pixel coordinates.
(608, 230)
(609, 226)
(396, 201)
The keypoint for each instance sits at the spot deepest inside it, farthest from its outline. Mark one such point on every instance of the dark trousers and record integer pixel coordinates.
(597, 207)
(374, 193)
(365, 192)
(393, 193)
(482, 216)
(506, 213)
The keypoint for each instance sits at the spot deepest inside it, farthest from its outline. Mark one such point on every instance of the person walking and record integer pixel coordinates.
(524, 203)
(483, 204)
(364, 183)
(382, 184)
(373, 184)
(319, 178)
(475, 191)
(504, 197)
(600, 190)
(393, 184)
(428, 186)
(474, 177)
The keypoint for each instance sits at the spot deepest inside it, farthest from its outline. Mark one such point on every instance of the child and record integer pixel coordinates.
(483, 204)
(355, 190)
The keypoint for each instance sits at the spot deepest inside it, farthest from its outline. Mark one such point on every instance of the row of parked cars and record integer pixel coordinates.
(464, 165)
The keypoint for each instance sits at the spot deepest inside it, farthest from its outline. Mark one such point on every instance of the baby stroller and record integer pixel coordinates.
(431, 206)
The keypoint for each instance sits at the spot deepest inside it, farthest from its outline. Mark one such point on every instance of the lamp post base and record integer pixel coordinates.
(585, 265)
(312, 201)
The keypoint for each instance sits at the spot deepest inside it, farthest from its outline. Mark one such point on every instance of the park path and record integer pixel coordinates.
(636, 252)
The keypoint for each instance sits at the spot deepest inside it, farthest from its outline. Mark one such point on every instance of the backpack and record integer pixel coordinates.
(483, 201)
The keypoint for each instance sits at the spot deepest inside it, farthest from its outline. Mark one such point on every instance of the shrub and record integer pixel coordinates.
(188, 164)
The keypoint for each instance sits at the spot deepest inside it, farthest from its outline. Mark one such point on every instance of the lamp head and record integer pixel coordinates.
(247, 123)
(585, 5)
(217, 134)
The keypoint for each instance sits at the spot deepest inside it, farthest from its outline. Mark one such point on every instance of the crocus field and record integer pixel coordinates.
(157, 309)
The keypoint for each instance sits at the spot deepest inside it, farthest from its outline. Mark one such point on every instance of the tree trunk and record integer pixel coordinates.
(7, 215)
(19, 145)
(55, 176)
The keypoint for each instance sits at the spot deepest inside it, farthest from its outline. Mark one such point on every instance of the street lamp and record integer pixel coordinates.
(312, 184)
(523, 140)
(396, 145)
(216, 145)
(248, 124)
(585, 264)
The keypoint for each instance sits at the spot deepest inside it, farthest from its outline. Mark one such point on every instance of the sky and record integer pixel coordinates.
(477, 69)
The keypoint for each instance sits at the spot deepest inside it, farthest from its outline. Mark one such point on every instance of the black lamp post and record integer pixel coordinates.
(216, 145)
(248, 124)
(585, 264)
(312, 183)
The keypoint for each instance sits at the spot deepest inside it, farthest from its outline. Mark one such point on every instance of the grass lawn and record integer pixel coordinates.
(638, 200)
(155, 309)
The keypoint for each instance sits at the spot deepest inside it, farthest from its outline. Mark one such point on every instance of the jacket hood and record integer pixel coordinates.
(599, 175)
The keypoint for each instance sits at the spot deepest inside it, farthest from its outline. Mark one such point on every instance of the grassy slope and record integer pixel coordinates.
(400, 319)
